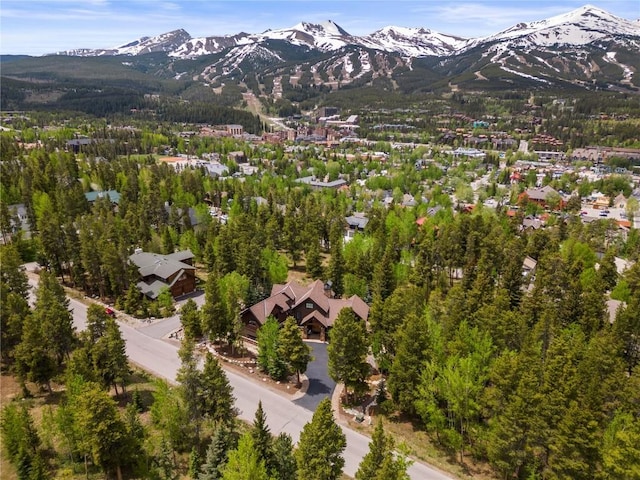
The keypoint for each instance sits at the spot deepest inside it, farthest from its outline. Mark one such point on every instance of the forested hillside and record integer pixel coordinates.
(531, 374)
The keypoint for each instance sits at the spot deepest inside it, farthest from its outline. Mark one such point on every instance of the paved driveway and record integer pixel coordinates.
(320, 383)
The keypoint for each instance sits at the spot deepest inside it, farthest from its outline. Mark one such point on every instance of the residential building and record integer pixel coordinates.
(355, 223)
(312, 307)
(158, 272)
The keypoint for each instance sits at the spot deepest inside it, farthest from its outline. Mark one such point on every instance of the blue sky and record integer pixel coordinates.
(37, 27)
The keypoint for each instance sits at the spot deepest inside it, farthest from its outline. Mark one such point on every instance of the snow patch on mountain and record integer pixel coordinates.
(627, 71)
(412, 42)
(325, 36)
(165, 42)
(582, 26)
(524, 75)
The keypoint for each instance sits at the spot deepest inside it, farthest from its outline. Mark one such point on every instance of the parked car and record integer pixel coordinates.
(110, 311)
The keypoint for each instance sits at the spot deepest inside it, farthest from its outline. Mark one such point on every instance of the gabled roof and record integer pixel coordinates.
(540, 193)
(154, 287)
(359, 307)
(161, 266)
(357, 221)
(292, 294)
(315, 293)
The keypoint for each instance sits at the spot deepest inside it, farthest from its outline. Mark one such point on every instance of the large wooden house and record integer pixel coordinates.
(311, 306)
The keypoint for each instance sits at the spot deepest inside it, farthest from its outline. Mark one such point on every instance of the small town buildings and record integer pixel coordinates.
(469, 153)
(158, 272)
(312, 307)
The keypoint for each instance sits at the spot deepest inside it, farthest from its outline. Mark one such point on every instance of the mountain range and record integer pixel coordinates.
(586, 48)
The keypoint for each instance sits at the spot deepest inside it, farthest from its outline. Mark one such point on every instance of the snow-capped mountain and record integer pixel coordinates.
(166, 42)
(325, 36)
(587, 47)
(413, 42)
(573, 48)
(195, 47)
(582, 26)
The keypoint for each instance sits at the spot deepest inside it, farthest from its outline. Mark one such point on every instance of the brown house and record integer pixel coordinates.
(174, 271)
(314, 311)
(539, 196)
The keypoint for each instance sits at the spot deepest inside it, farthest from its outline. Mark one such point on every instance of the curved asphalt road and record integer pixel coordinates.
(161, 358)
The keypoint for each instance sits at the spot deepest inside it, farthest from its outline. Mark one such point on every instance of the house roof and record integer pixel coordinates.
(540, 193)
(358, 221)
(529, 263)
(292, 294)
(161, 266)
(620, 198)
(154, 286)
(112, 195)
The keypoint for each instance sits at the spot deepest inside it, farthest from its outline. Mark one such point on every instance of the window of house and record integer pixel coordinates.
(309, 305)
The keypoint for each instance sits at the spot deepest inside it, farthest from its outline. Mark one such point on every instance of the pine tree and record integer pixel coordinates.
(19, 437)
(190, 320)
(313, 260)
(217, 394)
(244, 462)
(214, 316)
(608, 271)
(348, 351)
(52, 313)
(262, 440)
(165, 462)
(291, 232)
(133, 299)
(11, 273)
(190, 379)
(118, 371)
(102, 433)
(413, 341)
(270, 359)
(380, 448)
(222, 441)
(194, 463)
(294, 352)
(284, 461)
(34, 361)
(621, 448)
(14, 309)
(336, 265)
(319, 453)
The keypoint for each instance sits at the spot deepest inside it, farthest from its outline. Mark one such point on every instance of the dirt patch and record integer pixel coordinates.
(9, 388)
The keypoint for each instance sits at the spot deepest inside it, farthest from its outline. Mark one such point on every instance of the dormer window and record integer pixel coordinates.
(309, 305)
